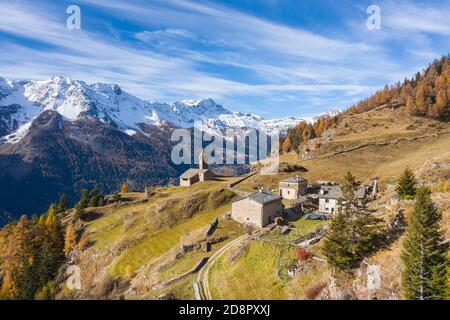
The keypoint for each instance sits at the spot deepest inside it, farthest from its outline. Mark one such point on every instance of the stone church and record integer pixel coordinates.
(193, 175)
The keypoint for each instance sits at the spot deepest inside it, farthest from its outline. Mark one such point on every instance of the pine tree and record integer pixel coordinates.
(94, 196)
(424, 254)
(93, 202)
(286, 147)
(124, 188)
(79, 210)
(116, 197)
(30, 254)
(55, 240)
(410, 105)
(84, 199)
(62, 205)
(336, 246)
(354, 233)
(70, 239)
(406, 187)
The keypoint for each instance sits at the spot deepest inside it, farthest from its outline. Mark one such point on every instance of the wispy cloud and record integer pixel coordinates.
(174, 49)
(163, 35)
(418, 17)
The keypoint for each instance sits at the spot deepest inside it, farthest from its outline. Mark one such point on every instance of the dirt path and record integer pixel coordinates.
(202, 278)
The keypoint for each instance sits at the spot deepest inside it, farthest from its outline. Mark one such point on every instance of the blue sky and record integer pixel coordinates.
(270, 57)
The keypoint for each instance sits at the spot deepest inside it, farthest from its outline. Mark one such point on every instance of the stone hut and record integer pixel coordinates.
(293, 187)
(258, 209)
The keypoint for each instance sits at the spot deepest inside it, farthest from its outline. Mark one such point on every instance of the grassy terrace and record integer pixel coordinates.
(261, 271)
(143, 239)
(156, 244)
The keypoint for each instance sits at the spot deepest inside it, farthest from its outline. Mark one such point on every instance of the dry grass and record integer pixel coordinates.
(143, 240)
(386, 161)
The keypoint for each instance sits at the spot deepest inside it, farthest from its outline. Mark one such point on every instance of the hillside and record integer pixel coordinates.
(150, 248)
(136, 247)
(380, 142)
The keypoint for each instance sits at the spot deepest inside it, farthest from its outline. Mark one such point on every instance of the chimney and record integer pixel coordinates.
(375, 187)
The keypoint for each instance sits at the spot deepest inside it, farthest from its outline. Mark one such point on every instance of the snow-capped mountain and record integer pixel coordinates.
(23, 101)
(328, 113)
(62, 135)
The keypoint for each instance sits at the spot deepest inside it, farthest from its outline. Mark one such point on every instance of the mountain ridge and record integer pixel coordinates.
(23, 101)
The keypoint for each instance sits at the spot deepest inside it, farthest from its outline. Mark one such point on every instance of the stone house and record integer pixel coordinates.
(329, 197)
(258, 209)
(293, 188)
(193, 175)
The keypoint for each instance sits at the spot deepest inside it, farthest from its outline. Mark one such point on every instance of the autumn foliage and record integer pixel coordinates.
(426, 94)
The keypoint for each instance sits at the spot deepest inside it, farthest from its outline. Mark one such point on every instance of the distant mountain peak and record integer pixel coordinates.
(73, 99)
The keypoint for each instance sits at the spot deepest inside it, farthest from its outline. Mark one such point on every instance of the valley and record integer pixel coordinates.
(352, 191)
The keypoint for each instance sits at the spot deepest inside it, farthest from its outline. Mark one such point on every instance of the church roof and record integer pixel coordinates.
(190, 173)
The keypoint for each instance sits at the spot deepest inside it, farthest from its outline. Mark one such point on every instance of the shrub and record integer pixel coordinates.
(303, 254)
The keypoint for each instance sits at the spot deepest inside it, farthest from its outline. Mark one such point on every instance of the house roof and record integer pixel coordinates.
(261, 197)
(331, 192)
(294, 180)
(335, 192)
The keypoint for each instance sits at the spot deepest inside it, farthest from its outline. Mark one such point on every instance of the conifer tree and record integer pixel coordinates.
(79, 210)
(62, 205)
(30, 253)
(93, 202)
(354, 232)
(424, 254)
(70, 239)
(336, 247)
(124, 188)
(116, 196)
(84, 199)
(406, 187)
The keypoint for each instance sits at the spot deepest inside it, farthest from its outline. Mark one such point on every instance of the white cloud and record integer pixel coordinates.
(162, 35)
(275, 62)
(418, 18)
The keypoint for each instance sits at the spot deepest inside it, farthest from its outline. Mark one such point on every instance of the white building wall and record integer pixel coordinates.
(330, 207)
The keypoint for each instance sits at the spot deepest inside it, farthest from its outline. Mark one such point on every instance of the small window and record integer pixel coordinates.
(327, 200)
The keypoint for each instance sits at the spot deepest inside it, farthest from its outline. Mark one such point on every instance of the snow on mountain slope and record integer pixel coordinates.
(22, 101)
